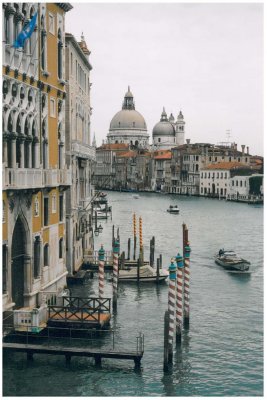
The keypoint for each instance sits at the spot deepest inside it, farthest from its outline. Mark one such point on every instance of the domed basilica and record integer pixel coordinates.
(128, 125)
(167, 133)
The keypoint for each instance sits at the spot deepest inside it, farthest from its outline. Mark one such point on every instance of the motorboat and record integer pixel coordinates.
(136, 196)
(231, 261)
(146, 274)
(173, 210)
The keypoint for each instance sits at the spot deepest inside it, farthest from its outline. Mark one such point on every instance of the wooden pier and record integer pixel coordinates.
(69, 352)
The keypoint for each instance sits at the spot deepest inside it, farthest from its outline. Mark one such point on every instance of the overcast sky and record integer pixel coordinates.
(203, 59)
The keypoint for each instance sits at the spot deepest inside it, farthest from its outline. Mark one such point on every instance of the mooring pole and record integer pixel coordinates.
(186, 284)
(129, 248)
(138, 270)
(166, 341)
(184, 228)
(152, 251)
(134, 230)
(158, 261)
(123, 260)
(116, 251)
(179, 298)
(141, 252)
(113, 235)
(171, 305)
(101, 271)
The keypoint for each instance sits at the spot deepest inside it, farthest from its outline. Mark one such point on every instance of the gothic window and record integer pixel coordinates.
(46, 211)
(61, 207)
(43, 44)
(6, 27)
(32, 37)
(10, 124)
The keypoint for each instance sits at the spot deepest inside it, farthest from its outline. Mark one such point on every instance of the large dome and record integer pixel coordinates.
(128, 119)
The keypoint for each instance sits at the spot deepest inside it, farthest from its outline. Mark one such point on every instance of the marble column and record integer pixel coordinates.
(27, 274)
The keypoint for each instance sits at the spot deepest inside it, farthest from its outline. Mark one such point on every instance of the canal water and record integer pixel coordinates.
(221, 353)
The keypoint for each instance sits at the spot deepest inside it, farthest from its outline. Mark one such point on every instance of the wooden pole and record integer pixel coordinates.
(123, 260)
(186, 284)
(134, 231)
(166, 341)
(171, 305)
(158, 261)
(129, 248)
(179, 299)
(184, 227)
(138, 270)
(113, 235)
(101, 271)
(116, 251)
(141, 254)
(152, 251)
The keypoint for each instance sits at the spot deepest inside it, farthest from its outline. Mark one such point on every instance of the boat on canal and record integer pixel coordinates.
(146, 274)
(229, 260)
(173, 209)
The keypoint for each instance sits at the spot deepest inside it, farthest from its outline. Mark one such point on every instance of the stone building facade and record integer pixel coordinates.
(80, 153)
(34, 175)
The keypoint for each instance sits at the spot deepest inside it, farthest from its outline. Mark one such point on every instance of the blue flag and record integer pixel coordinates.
(25, 33)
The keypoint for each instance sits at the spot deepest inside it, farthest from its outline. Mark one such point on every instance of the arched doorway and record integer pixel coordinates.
(18, 252)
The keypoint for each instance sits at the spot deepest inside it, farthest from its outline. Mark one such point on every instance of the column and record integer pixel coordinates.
(5, 157)
(27, 274)
(21, 148)
(13, 150)
(36, 153)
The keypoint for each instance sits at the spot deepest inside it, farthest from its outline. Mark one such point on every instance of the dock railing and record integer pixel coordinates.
(93, 258)
(106, 340)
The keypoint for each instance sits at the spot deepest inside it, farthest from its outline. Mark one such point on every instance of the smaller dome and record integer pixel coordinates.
(163, 127)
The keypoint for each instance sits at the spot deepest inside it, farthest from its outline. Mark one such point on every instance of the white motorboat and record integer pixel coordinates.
(231, 262)
(146, 274)
(173, 210)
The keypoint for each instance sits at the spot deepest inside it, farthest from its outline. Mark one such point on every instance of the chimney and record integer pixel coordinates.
(243, 149)
(247, 150)
(187, 141)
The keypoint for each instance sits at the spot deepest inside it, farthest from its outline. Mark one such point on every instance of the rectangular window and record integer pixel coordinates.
(61, 209)
(236, 183)
(233, 183)
(51, 26)
(52, 107)
(46, 211)
(241, 183)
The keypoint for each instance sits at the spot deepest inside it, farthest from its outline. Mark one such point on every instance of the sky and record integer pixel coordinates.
(205, 59)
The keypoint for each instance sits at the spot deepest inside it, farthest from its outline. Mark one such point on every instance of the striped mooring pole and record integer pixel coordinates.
(101, 272)
(187, 251)
(171, 305)
(116, 251)
(179, 298)
(134, 232)
(141, 256)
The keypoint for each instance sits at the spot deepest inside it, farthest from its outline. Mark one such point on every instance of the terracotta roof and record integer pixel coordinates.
(167, 155)
(128, 154)
(226, 165)
(114, 146)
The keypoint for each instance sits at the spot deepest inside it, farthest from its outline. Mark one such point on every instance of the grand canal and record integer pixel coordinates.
(221, 353)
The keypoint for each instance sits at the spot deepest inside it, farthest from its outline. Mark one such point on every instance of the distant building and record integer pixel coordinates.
(128, 126)
(167, 133)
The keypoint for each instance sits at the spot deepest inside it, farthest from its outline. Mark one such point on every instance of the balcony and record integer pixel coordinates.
(83, 150)
(22, 178)
(56, 177)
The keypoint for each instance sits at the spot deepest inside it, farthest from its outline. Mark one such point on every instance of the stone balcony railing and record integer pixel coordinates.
(83, 150)
(22, 178)
(30, 178)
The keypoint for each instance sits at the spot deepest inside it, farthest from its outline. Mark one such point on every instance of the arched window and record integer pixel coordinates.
(7, 31)
(46, 255)
(10, 123)
(32, 37)
(36, 256)
(59, 54)
(43, 43)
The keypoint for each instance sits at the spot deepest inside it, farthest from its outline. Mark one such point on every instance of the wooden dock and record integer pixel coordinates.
(69, 352)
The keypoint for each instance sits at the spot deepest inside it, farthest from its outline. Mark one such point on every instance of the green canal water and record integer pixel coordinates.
(222, 352)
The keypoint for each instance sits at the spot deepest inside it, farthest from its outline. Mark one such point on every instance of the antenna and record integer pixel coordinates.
(228, 134)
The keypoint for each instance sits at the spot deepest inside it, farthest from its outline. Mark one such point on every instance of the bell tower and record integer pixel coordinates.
(180, 129)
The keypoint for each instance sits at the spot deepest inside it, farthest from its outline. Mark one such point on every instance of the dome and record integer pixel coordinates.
(128, 119)
(163, 127)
